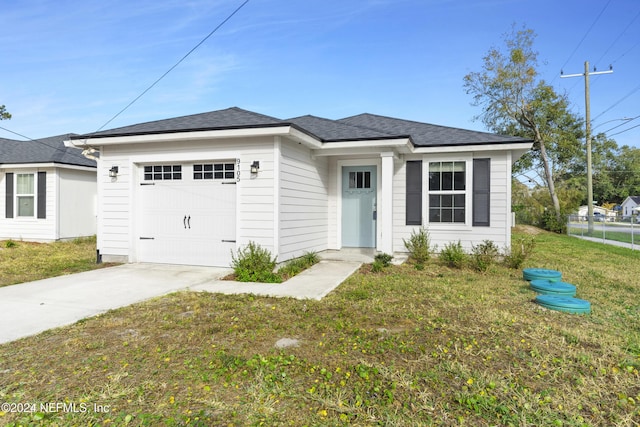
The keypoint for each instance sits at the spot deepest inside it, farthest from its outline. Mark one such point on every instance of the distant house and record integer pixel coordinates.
(628, 206)
(598, 212)
(48, 190)
(190, 190)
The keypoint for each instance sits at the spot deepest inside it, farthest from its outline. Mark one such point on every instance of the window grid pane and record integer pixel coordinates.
(447, 184)
(214, 171)
(162, 172)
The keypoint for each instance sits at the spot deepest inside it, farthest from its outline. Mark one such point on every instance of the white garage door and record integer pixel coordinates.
(187, 213)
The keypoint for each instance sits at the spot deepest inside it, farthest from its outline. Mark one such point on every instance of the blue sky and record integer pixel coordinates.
(70, 66)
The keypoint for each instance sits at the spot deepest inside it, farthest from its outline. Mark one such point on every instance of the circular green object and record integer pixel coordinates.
(562, 303)
(546, 287)
(541, 274)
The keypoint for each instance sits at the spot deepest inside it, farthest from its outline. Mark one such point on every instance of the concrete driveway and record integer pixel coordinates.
(30, 308)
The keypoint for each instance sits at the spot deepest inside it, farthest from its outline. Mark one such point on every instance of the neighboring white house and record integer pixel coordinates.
(189, 190)
(48, 190)
(628, 205)
(598, 211)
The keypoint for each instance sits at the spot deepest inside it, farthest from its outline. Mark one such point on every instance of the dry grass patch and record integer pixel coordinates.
(26, 261)
(400, 347)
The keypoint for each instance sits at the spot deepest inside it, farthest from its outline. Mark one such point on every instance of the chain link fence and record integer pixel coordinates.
(606, 229)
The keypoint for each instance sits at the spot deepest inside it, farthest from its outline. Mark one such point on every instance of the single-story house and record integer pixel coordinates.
(190, 190)
(49, 190)
(598, 212)
(628, 206)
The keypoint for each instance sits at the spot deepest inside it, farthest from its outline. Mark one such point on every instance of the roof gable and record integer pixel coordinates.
(426, 134)
(334, 131)
(43, 150)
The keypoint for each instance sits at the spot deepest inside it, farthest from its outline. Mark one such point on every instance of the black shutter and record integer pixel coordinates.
(414, 193)
(481, 192)
(8, 177)
(42, 194)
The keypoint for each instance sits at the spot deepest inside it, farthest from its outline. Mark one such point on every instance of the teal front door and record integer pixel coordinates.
(359, 206)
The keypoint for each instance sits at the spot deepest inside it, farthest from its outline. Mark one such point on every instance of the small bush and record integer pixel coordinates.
(520, 250)
(484, 255)
(254, 264)
(297, 265)
(419, 246)
(383, 259)
(10, 244)
(453, 255)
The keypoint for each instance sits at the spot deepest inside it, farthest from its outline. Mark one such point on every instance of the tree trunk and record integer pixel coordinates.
(549, 177)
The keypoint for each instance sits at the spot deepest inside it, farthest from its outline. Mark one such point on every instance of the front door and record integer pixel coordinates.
(359, 206)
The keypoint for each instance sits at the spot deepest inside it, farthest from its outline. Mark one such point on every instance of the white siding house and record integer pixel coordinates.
(48, 191)
(190, 190)
(629, 205)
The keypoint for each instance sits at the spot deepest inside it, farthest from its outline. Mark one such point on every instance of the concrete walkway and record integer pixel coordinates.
(30, 308)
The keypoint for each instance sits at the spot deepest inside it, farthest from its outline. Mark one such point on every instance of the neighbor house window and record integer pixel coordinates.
(25, 194)
(447, 192)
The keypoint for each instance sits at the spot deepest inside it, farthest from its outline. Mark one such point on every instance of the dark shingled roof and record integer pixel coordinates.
(428, 135)
(355, 128)
(334, 131)
(230, 118)
(44, 150)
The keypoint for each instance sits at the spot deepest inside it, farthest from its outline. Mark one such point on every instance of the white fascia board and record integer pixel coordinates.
(182, 136)
(522, 147)
(362, 147)
(45, 165)
(304, 138)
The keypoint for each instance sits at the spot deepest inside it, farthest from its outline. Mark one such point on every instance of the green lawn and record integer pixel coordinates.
(26, 261)
(402, 347)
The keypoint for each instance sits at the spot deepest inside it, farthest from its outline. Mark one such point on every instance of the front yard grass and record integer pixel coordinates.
(26, 261)
(439, 346)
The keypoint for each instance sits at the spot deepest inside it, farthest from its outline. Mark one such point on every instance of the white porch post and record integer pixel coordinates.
(385, 207)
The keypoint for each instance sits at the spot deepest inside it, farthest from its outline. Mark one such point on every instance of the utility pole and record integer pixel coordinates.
(587, 112)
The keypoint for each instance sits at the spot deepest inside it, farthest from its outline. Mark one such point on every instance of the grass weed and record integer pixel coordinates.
(26, 261)
(439, 346)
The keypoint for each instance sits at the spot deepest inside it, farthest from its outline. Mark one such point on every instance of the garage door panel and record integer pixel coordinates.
(187, 221)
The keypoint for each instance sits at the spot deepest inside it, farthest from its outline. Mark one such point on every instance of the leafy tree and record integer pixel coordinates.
(4, 114)
(515, 101)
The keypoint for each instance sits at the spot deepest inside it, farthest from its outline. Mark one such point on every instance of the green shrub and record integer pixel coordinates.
(380, 262)
(254, 264)
(419, 246)
(520, 250)
(383, 259)
(484, 255)
(310, 258)
(10, 244)
(295, 266)
(550, 222)
(453, 255)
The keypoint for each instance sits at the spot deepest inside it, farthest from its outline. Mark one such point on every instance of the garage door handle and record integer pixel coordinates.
(228, 241)
(147, 238)
(184, 221)
(189, 221)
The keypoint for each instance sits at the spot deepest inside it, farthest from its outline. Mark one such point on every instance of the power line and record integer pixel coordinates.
(176, 64)
(619, 101)
(622, 124)
(586, 34)
(71, 153)
(618, 38)
(623, 131)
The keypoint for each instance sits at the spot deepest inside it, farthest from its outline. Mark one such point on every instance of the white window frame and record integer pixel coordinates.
(17, 196)
(468, 191)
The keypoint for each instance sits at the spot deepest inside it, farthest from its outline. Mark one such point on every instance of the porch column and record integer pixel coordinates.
(385, 207)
